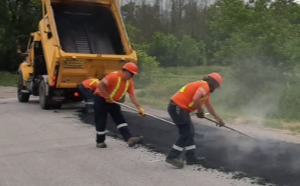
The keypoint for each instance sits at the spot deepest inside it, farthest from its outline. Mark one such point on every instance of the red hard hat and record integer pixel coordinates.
(216, 76)
(131, 67)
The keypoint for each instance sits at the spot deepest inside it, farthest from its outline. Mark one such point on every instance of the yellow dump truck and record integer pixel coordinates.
(76, 39)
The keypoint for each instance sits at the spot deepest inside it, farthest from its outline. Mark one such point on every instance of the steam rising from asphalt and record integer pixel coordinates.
(267, 102)
(252, 89)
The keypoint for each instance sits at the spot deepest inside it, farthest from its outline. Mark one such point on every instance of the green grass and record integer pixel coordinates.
(8, 79)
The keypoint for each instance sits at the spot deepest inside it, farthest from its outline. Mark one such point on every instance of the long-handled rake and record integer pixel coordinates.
(229, 127)
(161, 119)
(131, 108)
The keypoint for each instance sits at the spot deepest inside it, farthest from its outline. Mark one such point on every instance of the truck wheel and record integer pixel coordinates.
(23, 96)
(44, 99)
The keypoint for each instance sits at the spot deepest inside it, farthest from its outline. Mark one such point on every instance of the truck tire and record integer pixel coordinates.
(44, 99)
(22, 95)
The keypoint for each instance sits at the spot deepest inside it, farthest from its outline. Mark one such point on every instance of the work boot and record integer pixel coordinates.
(176, 162)
(134, 140)
(195, 160)
(101, 145)
(173, 158)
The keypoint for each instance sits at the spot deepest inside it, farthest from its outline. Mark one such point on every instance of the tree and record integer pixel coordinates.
(17, 18)
(258, 43)
(190, 53)
(144, 16)
(164, 47)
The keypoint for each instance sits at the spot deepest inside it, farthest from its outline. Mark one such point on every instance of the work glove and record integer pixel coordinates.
(109, 99)
(141, 111)
(220, 122)
(200, 114)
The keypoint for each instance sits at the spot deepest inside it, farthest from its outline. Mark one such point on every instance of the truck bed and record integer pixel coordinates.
(87, 28)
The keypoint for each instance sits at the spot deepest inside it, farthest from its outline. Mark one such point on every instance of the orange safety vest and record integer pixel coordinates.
(91, 83)
(184, 97)
(116, 86)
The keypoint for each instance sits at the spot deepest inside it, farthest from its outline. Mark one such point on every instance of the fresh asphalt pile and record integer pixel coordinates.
(267, 161)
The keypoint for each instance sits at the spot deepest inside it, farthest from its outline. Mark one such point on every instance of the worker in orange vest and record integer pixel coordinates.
(189, 98)
(110, 89)
(87, 89)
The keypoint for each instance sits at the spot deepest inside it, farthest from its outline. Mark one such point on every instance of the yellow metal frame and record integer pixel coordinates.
(88, 65)
(26, 67)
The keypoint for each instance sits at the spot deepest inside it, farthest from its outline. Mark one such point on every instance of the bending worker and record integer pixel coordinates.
(112, 88)
(189, 98)
(87, 89)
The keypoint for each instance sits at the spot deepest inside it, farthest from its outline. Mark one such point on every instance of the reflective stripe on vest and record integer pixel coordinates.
(94, 81)
(192, 103)
(183, 89)
(118, 86)
(126, 88)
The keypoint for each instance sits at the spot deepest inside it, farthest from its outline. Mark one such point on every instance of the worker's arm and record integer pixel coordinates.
(134, 100)
(212, 111)
(103, 90)
(196, 99)
(137, 104)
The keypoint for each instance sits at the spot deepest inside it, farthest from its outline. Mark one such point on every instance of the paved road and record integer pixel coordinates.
(270, 161)
(55, 148)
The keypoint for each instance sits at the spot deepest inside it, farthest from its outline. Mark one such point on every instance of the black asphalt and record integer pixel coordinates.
(266, 161)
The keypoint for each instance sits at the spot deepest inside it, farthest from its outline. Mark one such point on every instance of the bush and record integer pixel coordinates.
(290, 103)
(147, 65)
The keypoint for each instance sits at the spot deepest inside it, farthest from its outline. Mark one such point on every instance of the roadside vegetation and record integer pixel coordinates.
(8, 79)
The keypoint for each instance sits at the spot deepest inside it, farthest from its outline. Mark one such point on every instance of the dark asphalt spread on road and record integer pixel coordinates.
(266, 161)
